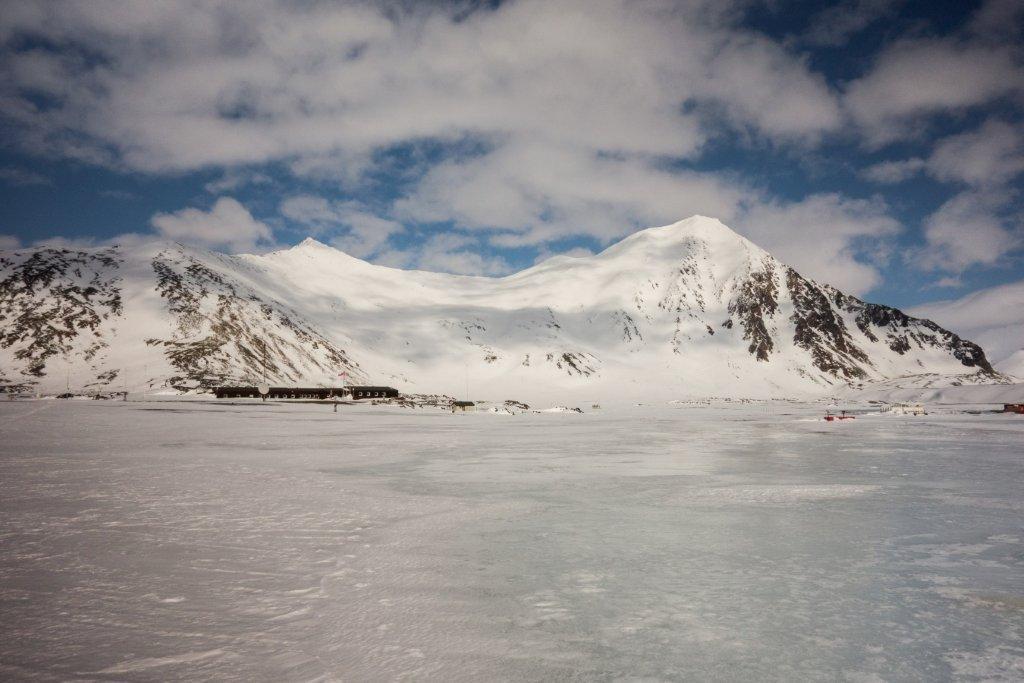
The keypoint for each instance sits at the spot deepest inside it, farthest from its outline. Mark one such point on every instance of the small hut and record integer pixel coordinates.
(1014, 408)
(463, 406)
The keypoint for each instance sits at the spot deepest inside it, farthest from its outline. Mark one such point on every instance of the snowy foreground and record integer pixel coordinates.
(195, 540)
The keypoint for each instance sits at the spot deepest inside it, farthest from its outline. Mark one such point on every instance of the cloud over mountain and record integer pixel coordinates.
(227, 224)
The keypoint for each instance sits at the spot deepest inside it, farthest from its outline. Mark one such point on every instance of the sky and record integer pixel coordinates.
(875, 145)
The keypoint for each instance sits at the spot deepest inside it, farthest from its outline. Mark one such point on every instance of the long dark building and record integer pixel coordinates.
(308, 392)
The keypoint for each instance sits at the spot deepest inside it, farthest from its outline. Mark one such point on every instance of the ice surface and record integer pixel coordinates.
(195, 540)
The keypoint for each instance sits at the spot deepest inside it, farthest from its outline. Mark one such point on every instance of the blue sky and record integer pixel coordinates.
(875, 145)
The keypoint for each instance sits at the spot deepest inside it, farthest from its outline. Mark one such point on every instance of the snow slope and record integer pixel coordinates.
(1014, 364)
(690, 309)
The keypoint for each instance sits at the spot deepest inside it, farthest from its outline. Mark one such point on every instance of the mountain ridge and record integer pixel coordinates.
(688, 308)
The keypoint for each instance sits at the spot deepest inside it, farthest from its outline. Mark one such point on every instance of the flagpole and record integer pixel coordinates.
(344, 381)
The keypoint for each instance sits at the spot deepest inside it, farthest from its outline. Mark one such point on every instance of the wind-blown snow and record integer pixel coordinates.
(203, 540)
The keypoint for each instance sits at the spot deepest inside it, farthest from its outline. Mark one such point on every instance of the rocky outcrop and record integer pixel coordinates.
(58, 304)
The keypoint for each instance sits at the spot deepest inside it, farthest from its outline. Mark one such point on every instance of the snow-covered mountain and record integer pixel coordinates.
(683, 310)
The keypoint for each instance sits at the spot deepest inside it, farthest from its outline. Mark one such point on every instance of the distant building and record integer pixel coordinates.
(1014, 408)
(463, 406)
(372, 392)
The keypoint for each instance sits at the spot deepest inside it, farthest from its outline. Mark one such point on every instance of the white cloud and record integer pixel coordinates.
(22, 177)
(574, 114)
(891, 172)
(227, 225)
(572, 110)
(573, 252)
(970, 229)
(120, 195)
(532, 196)
(977, 226)
(998, 20)
(448, 253)
(443, 253)
(825, 237)
(234, 179)
(781, 96)
(222, 83)
(992, 317)
(532, 193)
(949, 282)
(836, 24)
(128, 239)
(912, 79)
(9, 242)
(989, 156)
(364, 233)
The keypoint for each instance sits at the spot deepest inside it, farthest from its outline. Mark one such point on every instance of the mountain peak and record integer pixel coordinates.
(310, 243)
(311, 250)
(702, 227)
(697, 226)
(666, 239)
(314, 247)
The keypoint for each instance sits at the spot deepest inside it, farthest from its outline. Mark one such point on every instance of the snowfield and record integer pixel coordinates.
(185, 540)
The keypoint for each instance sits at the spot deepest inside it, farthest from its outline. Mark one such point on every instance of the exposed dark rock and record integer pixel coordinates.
(575, 363)
(756, 303)
(903, 332)
(821, 331)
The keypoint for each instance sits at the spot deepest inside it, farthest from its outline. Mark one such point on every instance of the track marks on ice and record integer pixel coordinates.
(137, 665)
